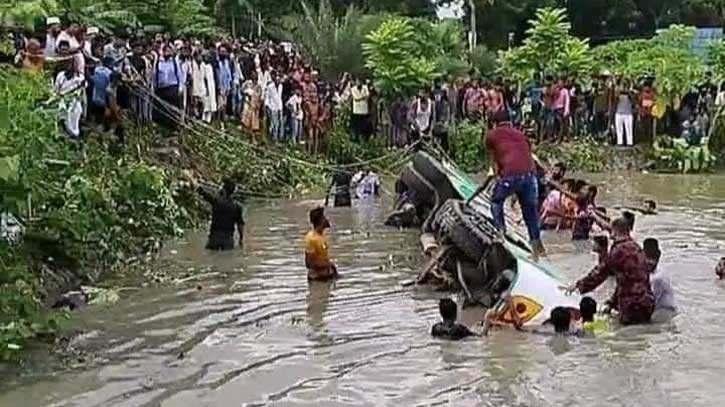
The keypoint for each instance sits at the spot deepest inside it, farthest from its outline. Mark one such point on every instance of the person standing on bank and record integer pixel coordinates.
(168, 85)
(360, 118)
(516, 175)
(225, 216)
(624, 116)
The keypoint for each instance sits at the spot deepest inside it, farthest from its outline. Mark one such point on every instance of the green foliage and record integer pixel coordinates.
(667, 57)
(444, 42)
(180, 16)
(28, 14)
(96, 212)
(466, 145)
(716, 59)
(549, 49)
(20, 313)
(615, 57)
(332, 43)
(405, 55)
(582, 155)
(674, 154)
(483, 61)
(395, 57)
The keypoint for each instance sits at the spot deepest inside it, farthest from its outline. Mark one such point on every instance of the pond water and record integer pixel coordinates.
(262, 336)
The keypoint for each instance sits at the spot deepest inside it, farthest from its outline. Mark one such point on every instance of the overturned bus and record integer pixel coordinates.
(466, 252)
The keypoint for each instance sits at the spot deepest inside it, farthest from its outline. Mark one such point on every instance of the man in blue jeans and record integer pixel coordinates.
(516, 174)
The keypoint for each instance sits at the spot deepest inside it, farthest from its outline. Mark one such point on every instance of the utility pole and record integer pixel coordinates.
(234, 24)
(259, 25)
(473, 41)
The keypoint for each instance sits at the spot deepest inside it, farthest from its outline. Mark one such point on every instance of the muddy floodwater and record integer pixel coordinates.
(262, 336)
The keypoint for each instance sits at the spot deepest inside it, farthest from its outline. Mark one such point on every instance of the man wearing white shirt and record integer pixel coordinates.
(273, 105)
(69, 85)
(51, 38)
(70, 36)
(297, 115)
(360, 118)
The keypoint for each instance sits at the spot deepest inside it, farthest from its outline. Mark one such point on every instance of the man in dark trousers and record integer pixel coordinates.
(340, 188)
(225, 215)
(515, 175)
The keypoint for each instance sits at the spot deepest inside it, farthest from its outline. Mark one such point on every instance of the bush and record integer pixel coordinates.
(585, 154)
(674, 154)
(466, 146)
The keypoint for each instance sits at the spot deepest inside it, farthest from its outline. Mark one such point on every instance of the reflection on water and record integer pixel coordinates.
(261, 335)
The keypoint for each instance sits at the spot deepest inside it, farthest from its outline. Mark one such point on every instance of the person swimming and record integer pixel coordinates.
(560, 318)
(720, 269)
(649, 208)
(449, 328)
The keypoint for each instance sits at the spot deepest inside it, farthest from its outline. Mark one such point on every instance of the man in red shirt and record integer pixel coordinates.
(516, 174)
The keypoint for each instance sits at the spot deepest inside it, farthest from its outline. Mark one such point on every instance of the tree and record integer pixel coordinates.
(332, 43)
(668, 57)
(549, 49)
(410, 8)
(395, 57)
(184, 16)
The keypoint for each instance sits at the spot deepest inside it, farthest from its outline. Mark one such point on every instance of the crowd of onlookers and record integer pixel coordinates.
(612, 109)
(264, 87)
(272, 93)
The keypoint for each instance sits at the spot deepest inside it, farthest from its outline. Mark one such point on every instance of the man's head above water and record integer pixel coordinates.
(448, 310)
(318, 219)
(561, 319)
(651, 249)
(587, 308)
(621, 227)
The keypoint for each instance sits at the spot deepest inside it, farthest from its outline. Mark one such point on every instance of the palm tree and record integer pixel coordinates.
(332, 43)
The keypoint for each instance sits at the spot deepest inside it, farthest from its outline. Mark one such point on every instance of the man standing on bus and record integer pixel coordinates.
(515, 175)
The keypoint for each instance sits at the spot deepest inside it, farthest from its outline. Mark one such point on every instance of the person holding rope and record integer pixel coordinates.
(340, 188)
(516, 175)
(225, 216)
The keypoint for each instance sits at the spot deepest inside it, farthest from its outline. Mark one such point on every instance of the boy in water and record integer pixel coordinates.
(649, 208)
(584, 218)
(590, 325)
(560, 317)
(448, 328)
(720, 269)
(661, 285)
(317, 258)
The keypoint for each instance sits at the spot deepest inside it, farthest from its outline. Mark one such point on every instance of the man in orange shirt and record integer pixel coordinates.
(317, 257)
